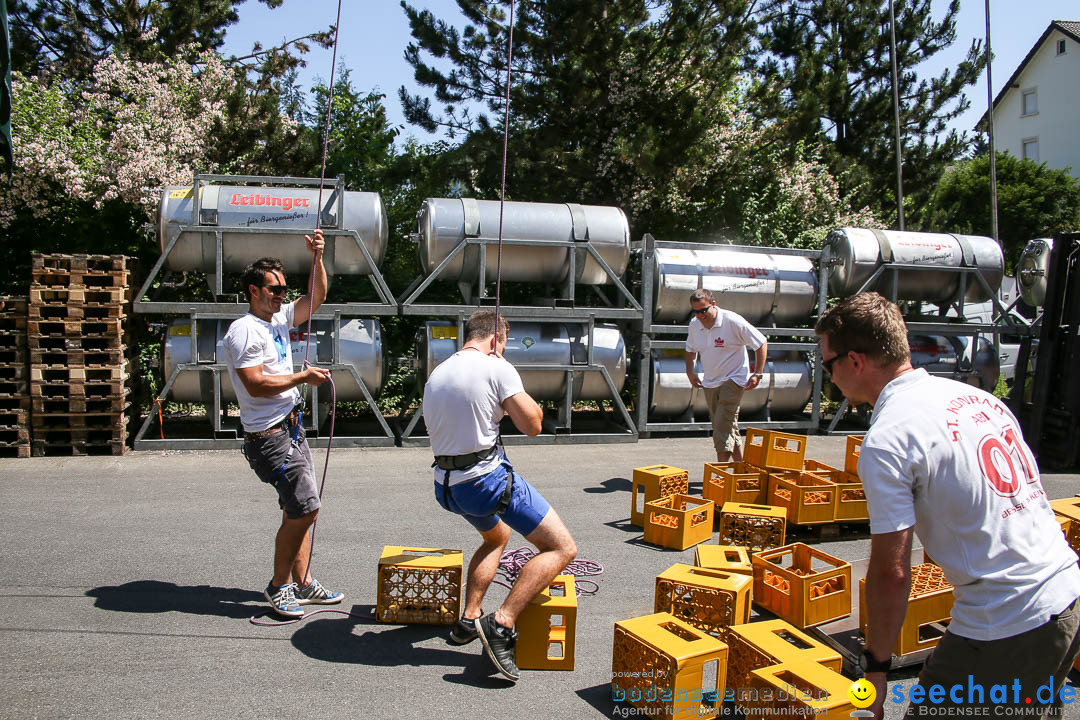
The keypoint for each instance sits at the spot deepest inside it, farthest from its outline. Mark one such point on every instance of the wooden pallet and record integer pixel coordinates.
(73, 405)
(89, 279)
(68, 343)
(15, 450)
(13, 339)
(108, 356)
(77, 311)
(14, 435)
(15, 387)
(109, 327)
(13, 304)
(13, 371)
(79, 262)
(76, 374)
(13, 322)
(83, 435)
(19, 416)
(74, 295)
(79, 421)
(77, 389)
(19, 401)
(13, 355)
(41, 448)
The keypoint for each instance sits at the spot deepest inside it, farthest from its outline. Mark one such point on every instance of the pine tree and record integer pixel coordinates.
(591, 81)
(825, 72)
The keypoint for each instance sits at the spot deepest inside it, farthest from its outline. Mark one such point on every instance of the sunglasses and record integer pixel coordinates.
(702, 311)
(278, 290)
(827, 364)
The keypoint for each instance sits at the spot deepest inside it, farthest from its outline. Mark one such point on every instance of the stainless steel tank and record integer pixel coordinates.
(270, 207)
(951, 356)
(1033, 269)
(785, 387)
(360, 342)
(444, 223)
(758, 286)
(532, 343)
(858, 252)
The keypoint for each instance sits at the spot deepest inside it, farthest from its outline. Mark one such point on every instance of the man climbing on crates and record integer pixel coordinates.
(259, 355)
(464, 400)
(721, 337)
(949, 462)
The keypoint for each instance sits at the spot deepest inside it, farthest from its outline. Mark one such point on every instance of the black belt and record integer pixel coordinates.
(449, 463)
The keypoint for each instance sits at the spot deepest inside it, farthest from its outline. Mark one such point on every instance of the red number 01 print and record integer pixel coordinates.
(1002, 458)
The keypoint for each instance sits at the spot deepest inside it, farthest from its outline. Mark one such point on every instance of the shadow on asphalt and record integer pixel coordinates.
(157, 596)
(618, 484)
(625, 525)
(599, 696)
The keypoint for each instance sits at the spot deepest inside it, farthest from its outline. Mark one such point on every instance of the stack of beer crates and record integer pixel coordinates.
(14, 379)
(78, 369)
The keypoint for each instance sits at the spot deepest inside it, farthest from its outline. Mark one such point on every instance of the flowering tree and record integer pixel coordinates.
(135, 128)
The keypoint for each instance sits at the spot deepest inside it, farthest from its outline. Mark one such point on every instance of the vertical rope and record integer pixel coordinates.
(502, 187)
(311, 290)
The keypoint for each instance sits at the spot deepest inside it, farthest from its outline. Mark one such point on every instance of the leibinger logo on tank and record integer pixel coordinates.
(993, 701)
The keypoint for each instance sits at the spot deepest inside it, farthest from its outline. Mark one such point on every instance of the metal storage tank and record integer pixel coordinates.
(270, 207)
(360, 341)
(858, 252)
(1032, 270)
(755, 285)
(444, 223)
(785, 387)
(532, 343)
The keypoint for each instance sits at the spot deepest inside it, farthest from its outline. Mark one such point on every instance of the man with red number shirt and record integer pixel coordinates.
(949, 461)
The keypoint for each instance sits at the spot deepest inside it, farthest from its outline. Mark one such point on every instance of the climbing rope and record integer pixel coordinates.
(506, 143)
(511, 563)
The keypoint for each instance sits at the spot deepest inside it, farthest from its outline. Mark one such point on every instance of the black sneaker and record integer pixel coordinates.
(464, 631)
(499, 645)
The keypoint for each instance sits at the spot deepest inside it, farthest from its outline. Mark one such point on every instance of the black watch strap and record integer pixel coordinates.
(868, 663)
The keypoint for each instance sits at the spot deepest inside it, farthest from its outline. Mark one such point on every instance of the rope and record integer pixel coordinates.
(511, 563)
(502, 187)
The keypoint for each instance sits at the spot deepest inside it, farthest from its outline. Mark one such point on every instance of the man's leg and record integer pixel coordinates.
(723, 402)
(556, 550)
(291, 547)
(482, 568)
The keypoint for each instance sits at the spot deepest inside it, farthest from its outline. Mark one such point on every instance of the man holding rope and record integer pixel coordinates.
(464, 400)
(259, 357)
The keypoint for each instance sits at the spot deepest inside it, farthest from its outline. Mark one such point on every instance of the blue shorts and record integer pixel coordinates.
(475, 500)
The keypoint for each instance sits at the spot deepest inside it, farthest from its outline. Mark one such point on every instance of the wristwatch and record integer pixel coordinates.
(869, 664)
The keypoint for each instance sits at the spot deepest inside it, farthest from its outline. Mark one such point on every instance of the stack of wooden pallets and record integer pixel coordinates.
(14, 379)
(78, 370)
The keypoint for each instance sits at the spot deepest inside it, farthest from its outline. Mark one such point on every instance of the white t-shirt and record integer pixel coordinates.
(722, 347)
(250, 342)
(949, 460)
(463, 406)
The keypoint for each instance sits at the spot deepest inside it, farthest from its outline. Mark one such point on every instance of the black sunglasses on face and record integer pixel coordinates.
(278, 290)
(702, 311)
(827, 364)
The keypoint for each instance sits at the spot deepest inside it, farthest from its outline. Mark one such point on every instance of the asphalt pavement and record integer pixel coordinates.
(129, 583)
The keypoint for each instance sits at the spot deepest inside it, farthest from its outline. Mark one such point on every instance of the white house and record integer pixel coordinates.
(1037, 113)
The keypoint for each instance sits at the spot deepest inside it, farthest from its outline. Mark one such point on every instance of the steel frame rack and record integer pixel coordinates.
(228, 435)
(560, 430)
(886, 279)
(649, 340)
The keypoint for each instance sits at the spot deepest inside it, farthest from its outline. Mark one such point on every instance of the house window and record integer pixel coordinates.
(1031, 149)
(1060, 47)
(1029, 103)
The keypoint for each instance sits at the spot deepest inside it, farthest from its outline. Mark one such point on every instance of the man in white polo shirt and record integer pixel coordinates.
(721, 337)
(949, 462)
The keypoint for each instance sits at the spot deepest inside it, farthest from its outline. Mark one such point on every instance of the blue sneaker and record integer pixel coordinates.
(283, 600)
(315, 594)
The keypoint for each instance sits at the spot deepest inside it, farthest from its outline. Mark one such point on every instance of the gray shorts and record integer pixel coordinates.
(297, 493)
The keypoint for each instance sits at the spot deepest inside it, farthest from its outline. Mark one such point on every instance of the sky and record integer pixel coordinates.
(374, 34)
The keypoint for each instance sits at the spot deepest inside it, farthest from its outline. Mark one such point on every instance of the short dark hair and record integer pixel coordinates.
(701, 294)
(482, 324)
(255, 273)
(866, 323)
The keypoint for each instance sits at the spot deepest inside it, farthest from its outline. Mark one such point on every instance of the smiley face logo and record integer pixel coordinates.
(862, 693)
